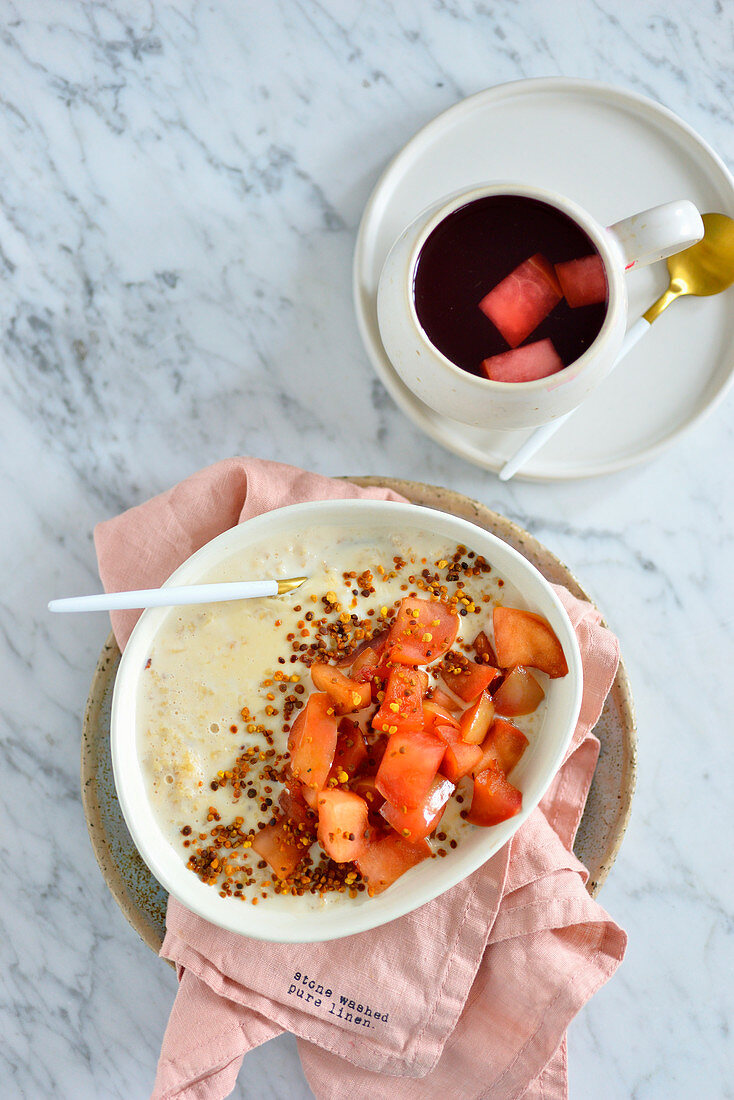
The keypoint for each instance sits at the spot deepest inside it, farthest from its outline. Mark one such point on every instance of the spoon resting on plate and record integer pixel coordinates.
(177, 595)
(705, 268)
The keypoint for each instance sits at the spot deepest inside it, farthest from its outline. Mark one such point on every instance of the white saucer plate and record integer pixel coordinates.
(615, 153)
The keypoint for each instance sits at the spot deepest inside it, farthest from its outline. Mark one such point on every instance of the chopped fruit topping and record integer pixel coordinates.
(443, 699)
(343, 830)
(525, 364)
(475, 721)
(518, 303)
(504, 745)
(385, 860)
(519, 693)
(494, 799)
(417, 823)
(277, 845)
(401, 710)
(347, 695)
(467, 679)
(434, 714)
(584, 281)
(524, 638)
(350, 753)
(460, 759)
(408, 767)
(313, 751)
(483, 649)
(422, 631)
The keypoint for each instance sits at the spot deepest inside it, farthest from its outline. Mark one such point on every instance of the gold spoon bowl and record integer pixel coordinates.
(703, 269)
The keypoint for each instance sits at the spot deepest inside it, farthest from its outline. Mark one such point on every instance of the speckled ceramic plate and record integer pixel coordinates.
(143, 900)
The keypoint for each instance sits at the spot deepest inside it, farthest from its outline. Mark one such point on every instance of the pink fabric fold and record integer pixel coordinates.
(469, 995)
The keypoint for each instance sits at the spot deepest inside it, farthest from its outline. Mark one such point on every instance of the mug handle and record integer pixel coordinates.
(657, 233)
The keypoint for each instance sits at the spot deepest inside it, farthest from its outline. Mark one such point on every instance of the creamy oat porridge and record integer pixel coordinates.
(321, 743)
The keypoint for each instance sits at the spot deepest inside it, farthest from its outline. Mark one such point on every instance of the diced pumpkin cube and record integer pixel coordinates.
(584, 281)
(524, 638)
(475, 721)
(277, 845)
(494, 799)
(408, 767)
(519, 693)
(314, 741)
(385, 860)
(347, 695)
(421, 820)
(504, 745)
(343, 829)
(526, 364)
(422, 632)
(524, 298)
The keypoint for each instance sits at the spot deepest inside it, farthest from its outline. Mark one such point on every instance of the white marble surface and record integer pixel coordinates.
(180, 186)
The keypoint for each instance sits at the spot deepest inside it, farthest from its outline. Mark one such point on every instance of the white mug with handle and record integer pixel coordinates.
(633, 242)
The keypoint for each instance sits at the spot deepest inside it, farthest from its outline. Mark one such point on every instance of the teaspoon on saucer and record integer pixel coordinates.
(704, 268)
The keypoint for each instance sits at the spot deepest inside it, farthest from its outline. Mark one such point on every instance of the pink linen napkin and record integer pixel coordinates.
(469, 995)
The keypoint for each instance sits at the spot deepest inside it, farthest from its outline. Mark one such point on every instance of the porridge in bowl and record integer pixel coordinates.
(315, 747)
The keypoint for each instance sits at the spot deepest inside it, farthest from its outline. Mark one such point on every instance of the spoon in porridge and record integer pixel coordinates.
(177, 595)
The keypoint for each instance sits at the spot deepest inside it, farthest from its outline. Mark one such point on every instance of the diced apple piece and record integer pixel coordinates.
(347, 695)
(385, 860)
(343, 829)
(365, 787)
(277, 845)
(442, 699)
(524, 638)
(504, 746)
(375, 752)
(351, 750)
(460, 759)
(313, 741)
(448, 734)
(373, 646)
(422, 631)
(465, 678)
(292, 802)
(401, 710)
(408, 767)
(519, 693)
(475, 721)
(494, 799)
(434, 714)
(584, 281)
(525, 364)
(483, 649)
(518, 303)
(419, 822)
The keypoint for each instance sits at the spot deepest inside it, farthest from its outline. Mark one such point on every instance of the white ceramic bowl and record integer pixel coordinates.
(281, 919)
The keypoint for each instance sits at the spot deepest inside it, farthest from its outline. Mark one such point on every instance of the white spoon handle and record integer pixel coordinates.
(542, 434)
(167, 597)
